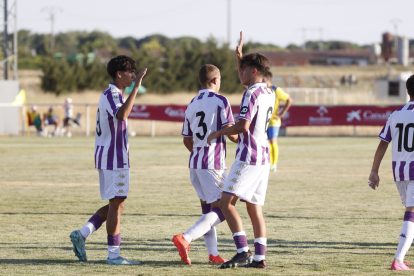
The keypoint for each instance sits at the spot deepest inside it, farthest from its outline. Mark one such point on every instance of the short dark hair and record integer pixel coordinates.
(207, 73)
(258, 61)
(410, 86)
(120, 63)
(269, 75)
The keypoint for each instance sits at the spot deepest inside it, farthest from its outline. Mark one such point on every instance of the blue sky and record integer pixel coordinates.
(267, 21)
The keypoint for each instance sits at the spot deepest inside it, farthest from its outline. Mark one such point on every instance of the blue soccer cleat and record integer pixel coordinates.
(121, 261)
(78, 245)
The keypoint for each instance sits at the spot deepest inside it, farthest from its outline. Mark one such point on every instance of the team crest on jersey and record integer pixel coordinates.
(238, 173)
(230, 188)
(221, 186)
(234, 180)
(120, 184)
(121, 192)
(121, 175)
(114, 90)
(244, 110)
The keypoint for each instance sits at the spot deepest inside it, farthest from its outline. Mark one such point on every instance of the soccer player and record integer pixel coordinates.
(275, 122)
(249, 173)
(69, 116)
(50, 118)
(206, 113)
(112, 158)
(399, 129)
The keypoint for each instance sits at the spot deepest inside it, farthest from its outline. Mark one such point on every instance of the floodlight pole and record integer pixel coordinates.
(5, 41)
(228, 21)
(15, 40)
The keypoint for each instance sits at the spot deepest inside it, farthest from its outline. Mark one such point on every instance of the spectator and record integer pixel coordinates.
(50, 118)
(34, 120)
(69, 116)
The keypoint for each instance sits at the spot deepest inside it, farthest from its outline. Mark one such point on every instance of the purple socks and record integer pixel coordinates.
(96, 221)
(409, 216)
(205, 208)
(114, 240)
(219, 213)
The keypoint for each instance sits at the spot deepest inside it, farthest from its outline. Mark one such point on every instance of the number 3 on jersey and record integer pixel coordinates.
(405, 131)
(201, 124)
(98, 124)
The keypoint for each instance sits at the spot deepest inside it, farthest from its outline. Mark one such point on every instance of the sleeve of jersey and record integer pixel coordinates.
(226, 114)
(113, 103)
(186, 129)
(281, 95)
(385, 134)
(247, 108)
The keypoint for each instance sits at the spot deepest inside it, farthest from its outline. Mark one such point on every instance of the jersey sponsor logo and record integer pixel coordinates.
(322, 119)
(244, 110)
(175, 112)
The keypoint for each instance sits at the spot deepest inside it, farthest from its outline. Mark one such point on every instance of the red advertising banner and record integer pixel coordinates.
(346, 115)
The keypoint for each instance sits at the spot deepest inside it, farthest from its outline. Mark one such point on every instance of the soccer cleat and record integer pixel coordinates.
(239, 259)
(183, 248)
(78, 245)
(406, 263)
(399, 266)
(216, 259)
(254, 264)
(121, 261)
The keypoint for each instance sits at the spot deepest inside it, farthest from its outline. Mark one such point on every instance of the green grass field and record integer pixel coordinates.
(322, 217)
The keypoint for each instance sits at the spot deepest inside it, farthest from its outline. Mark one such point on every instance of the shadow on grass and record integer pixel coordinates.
(98, 262)
(90, 214)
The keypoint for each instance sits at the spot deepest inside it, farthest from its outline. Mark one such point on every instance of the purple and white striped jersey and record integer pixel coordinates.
(206, 113)
(111, 136)
(400, 129)
(257, 107)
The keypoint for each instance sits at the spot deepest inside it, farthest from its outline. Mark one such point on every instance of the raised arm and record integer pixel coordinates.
(239, 55)
(126, 108)
(379, 154)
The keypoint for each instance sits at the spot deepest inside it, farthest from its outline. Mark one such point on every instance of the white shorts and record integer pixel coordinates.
(248, 182)
(114, 183)
(208, 183)
(406, 190)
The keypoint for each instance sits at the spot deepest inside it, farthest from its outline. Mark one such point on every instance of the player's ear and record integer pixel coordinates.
(214, 80)
(118, 74)
(255, 71)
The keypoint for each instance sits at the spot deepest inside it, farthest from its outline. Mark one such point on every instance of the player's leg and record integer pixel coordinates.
(95, 222)
(272, 134)
(406, 190)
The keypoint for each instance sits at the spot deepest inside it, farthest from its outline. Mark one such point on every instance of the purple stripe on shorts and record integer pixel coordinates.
(196, 158)
(259, 249)
(205, 208)
(120, 197)
(96, 220)
(219, 213)
(114, 240)
(394, 164)
(100, 158)
(119, 151)
(229, 193)
(110, 160)
(96, 151)
(204, 161)
(409, 216)
(401, 170)
(111, 102)
(240, 241)
(189, 161)
(411, 170)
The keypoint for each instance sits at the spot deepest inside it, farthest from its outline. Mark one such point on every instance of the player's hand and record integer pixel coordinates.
(239, 48)
(277, 117)
(373, 180)
(212, 136)
(139, 78)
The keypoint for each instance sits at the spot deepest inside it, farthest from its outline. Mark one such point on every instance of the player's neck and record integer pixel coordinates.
(119, 85)
(210, 88)
(254, 81)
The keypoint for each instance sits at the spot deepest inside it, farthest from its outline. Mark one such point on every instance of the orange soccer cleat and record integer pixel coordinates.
(399, 266)
(183, 247)
(216, 259)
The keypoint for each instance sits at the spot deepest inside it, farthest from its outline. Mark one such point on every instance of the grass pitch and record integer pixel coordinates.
(322, 217)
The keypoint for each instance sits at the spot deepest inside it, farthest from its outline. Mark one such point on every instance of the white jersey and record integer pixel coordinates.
(206, 113)
(257, 107)
(111, 136)
(400, 129)
(68, 110)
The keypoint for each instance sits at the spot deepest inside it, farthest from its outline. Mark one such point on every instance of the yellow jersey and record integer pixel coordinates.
(280, 96)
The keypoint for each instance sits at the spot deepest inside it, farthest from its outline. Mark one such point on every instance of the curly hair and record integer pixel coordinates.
(410, 86)
(120, 63)
(258, 61)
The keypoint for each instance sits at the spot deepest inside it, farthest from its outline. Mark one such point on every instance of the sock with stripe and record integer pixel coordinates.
(260, 249)
(210, 238)
(240, 240)
(204, 224)
(114, 246)
(406, 237)
(91, 226)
